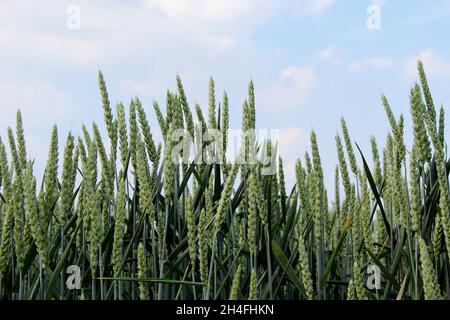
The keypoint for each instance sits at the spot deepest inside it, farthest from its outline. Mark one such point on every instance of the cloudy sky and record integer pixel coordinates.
(312, 61)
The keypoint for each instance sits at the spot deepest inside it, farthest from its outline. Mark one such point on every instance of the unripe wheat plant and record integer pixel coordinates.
(137, 219)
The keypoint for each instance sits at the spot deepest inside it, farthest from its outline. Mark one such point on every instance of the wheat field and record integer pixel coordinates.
(140, 220)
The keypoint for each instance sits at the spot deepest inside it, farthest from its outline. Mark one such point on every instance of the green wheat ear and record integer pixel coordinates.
(253, 286)
(251, 105)
(254, 236)
(225, 197)
(123, 135)
(7, 227)
(37, 229)
(7, 219)
(212, 105)
(169, 166)
(235, 286)
(14, 154)
(142, 273)
(19, 221)
(67, 181)
(203, 239)
(118, 228)
(22, 152)
(426, 91)
(91, 207)
(421, 140)
(304, 268)
(430, 285)
(442, 124)
(351, 294)
(51, 176)
(145, 181)
(360, 291)
(4, 169)
(251, 217)
(146, 132)
(133, 134)
(377, 173)
(224, 127)
(349, 147)
(191, 225)
(160, 117)
(414, 186)
(107, 112)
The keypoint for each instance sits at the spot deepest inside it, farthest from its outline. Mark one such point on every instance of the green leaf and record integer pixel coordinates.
(153, 280)
(283, 261)
(330, 263)
(57, 272)
(375, 191)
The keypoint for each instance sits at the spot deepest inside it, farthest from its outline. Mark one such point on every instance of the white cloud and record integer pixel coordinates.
(378, 2)
(235, 10)
(307, 7)
(37, 149)
(434, 64)
(438, 12)
(293, 142)
(330, 53)
(135, 87)
(290, 139)
(374, 63)
(112, 31)
(150, 37)
(292, 89)
(47, 47)
(37, 33)
(219, 43)
(317, 6)
(40, 103)
(212, 11)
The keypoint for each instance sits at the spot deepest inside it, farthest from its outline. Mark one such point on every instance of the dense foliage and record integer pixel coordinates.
(142, 226)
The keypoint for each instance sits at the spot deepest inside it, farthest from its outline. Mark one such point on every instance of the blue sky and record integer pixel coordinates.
(312, 62)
